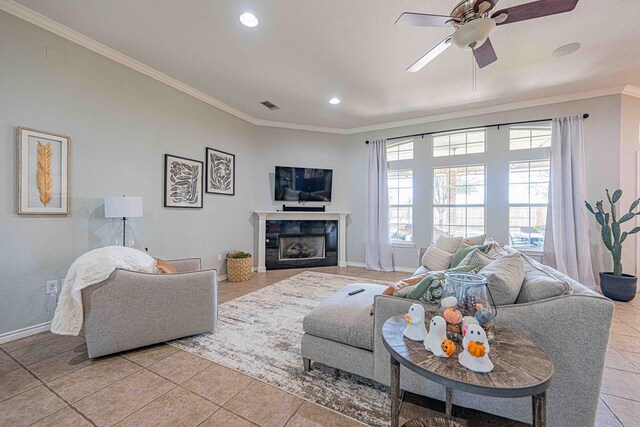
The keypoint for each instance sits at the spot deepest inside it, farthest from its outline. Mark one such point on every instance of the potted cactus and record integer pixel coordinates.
(615, 285)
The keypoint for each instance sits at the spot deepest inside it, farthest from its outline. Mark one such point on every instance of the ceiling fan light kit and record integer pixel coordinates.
(473, 33)
(474, 20)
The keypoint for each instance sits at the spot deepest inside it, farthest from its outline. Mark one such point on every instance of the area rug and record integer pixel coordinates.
(259, 334)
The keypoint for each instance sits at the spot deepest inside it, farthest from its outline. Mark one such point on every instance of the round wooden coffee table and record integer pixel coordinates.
(521, 369)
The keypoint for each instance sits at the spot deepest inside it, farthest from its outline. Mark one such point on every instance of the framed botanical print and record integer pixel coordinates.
(221, 172)
(183, 182)
(44, 166)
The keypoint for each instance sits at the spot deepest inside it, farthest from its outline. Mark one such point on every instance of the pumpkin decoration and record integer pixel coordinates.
(452, 315)
(448, 347)
(476, 349)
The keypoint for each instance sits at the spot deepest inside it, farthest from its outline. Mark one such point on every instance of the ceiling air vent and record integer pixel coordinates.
(271, 106)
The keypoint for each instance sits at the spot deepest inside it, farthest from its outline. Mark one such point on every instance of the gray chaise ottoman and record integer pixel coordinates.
(339, 331)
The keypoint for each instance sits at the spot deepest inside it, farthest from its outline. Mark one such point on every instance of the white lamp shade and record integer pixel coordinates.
(122, 207)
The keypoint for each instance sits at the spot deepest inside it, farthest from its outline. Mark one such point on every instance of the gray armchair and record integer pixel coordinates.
(132, 309)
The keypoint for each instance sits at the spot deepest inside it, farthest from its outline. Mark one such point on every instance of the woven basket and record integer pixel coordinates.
(239, 269)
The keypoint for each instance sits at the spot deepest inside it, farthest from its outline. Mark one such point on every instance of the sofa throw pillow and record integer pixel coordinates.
(431, 288)
(402, 293)
(449, 244)
(495, 249)
(409, 281)
(401, 288)
(465, 250)
(477, 259)
(476, 240)
(505, 276)
(435, 259)
(540, 284)
(163, 267)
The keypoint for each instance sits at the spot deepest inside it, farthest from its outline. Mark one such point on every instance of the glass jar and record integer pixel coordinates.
(467, 300)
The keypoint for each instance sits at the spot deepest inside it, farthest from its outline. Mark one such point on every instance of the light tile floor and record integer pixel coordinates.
(48, 380)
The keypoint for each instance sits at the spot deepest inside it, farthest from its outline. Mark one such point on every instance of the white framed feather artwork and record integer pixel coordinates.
(44, 166)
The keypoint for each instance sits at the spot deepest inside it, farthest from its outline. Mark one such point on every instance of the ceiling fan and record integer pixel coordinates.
(473, 21)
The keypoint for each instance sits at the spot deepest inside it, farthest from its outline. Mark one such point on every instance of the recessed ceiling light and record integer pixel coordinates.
(248, 19)
(334, 101)
(565, 50)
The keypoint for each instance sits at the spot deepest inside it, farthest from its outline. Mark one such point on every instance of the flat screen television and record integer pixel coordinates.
(303, 184)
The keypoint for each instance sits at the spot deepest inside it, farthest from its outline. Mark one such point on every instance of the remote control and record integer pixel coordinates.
(357, 291)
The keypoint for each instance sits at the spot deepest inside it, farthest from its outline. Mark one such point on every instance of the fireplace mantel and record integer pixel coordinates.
(263, 216)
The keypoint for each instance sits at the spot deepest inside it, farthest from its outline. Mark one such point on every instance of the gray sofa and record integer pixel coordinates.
(572, 328)
(132, 309)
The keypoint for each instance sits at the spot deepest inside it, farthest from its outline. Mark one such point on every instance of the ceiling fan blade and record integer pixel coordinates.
(485, 54)
(424, 20)
(479, 7)
(536, 9)
(430, 56)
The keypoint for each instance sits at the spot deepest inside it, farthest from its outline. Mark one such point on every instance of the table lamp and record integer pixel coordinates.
(123, 207)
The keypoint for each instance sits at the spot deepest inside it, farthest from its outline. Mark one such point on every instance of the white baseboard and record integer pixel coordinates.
(356, 264)
(396, 268)
(24, 332)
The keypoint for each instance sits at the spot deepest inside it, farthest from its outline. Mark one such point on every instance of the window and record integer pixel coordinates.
(455, 144)
(458, 201)
(400, 150)
(528, 137)
(401, 205)
(528, 200)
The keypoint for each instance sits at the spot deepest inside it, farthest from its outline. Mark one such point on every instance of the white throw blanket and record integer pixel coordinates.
(93, 267)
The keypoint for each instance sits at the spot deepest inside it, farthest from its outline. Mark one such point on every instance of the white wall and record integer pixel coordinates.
(602, 141)
(121, 124)
(629, 161)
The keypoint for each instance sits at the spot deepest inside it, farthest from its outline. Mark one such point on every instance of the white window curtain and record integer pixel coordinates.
(378, 252)
(566, 242)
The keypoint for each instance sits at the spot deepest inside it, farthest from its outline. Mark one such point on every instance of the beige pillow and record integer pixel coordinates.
(505, 276)
(435, 259)
(495, 249)
(449, 244)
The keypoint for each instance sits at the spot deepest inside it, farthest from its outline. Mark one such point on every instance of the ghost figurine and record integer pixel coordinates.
(475, 350)
(415, 330)
(437, 335)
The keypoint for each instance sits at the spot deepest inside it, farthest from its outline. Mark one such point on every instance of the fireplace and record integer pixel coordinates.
(301, 244)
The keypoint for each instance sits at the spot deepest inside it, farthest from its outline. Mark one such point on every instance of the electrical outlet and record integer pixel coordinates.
(51, 287)
(219, 257)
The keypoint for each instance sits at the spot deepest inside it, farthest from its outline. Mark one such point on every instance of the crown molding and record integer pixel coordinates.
(61, 30)
(297, 126)
(631, 91)
(57, 28)
(494, 109)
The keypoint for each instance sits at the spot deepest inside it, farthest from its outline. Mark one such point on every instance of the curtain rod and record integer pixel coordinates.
(584, 116)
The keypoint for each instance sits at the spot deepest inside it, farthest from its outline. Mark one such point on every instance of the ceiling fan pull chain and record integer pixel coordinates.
(474, 83)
